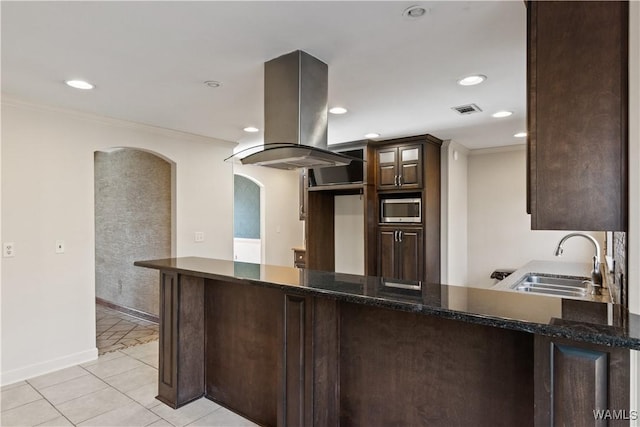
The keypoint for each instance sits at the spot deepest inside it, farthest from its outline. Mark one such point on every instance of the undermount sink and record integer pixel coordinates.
(563, 286)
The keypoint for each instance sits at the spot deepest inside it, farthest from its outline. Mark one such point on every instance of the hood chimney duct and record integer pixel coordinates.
(295, 115)
(295, 100)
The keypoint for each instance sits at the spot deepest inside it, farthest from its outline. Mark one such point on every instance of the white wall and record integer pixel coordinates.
(500, 233)
(282, 229)
(349, 234)
(48, 310)
(454, 164)
(247, 250)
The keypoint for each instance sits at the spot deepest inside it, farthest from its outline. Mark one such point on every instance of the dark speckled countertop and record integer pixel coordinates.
(594, 322)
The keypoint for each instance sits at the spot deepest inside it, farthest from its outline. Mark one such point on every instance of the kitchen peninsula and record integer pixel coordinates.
(291, 347)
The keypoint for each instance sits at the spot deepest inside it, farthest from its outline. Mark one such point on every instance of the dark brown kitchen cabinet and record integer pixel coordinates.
(579, 384)
(417, 256)
(181, 351)
(577, 73)
(399, 167)
(299, 258)
(400, 253)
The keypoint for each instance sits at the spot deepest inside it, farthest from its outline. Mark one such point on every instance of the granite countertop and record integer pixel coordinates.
(611, 325)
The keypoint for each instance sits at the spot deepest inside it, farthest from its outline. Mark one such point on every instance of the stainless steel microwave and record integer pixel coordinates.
(401, 210)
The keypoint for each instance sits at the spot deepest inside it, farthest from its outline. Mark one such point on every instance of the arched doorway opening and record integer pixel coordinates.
(248, 219)
(134, 217)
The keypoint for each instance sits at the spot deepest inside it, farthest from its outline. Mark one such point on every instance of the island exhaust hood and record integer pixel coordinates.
(295, 115)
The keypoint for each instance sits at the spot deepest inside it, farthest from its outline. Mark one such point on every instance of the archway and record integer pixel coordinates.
(248, 219)
(133, 198)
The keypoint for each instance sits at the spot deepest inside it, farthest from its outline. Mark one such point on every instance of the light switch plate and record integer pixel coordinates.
(199, 236)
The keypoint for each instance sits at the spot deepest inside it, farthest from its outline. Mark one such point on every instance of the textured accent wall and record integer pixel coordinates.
(132, 222)
(246, 208)
(620, 266)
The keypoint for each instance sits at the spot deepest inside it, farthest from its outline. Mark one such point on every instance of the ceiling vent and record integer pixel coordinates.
(467, 109)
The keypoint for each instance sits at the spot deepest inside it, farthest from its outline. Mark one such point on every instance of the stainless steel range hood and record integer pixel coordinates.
(295, 115)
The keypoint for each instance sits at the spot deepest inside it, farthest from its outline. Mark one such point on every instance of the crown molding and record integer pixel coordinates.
(12, 101)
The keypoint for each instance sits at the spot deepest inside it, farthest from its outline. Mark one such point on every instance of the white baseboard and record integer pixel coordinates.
(42, 368)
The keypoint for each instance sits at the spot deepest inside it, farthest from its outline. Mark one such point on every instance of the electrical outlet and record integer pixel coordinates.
(8, 249)
(59, 246)
(199, 236)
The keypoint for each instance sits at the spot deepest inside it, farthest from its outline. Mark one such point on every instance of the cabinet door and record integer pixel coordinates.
(387, 253)
(410, 166)
(387, 168)
(579, 384)
(409, 248)
(577, 73)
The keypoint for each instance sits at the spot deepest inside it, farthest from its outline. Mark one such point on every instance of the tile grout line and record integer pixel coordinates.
(108, 386)
(93, 392)
(149, 326)
(103, 379)
(50, 403)
(215, 410)
(121, 392)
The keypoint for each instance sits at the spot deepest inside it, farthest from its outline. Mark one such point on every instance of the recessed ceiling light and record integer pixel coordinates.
(414, 12)
(337, 110)
(213, 83)
(79, 84)
(251, 129)
(372, 135)
(474, 79)
(501, 114)
(520, 134)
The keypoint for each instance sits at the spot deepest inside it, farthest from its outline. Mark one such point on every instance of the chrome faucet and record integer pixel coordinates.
(596, 276)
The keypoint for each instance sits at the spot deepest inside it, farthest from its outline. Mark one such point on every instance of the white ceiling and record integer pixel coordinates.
(396, 76)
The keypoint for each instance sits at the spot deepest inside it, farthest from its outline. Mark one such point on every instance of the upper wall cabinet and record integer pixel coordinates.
(399, 167)
(577, 114)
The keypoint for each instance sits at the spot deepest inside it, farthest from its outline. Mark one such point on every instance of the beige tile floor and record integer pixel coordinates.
(117, 389)
(116, 330)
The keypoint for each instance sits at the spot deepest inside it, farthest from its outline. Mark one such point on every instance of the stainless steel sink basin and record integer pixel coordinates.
(564, 286)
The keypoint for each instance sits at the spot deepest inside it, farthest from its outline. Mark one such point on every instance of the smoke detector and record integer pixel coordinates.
(414, 12)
